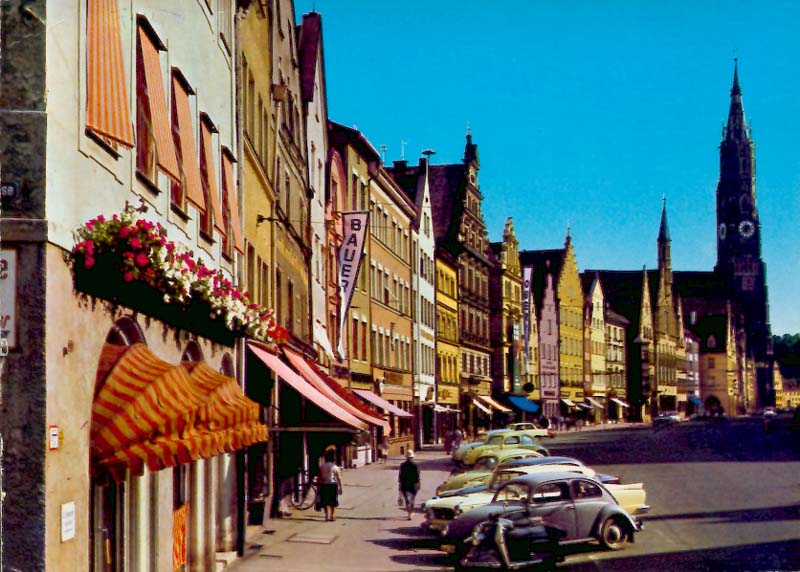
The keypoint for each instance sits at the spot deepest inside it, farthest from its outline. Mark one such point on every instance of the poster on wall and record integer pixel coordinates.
(527, 281)
(350, 255)
(8, 299)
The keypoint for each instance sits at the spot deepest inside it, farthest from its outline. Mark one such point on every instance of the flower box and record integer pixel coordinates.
(105, 280)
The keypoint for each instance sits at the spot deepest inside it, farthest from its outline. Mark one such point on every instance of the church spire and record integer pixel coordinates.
(663, 231)
(736, 129)
(471, 150)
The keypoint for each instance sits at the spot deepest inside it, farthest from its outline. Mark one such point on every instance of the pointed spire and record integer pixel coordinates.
(663, 231)
(736, 128)
(736, 90)
(470, 150)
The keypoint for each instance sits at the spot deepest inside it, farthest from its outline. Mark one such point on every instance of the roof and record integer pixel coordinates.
(342, 135)
(310, 34)
(708, 326)
(622, 290)
(705, 285)
(543, 261)
(447, 187)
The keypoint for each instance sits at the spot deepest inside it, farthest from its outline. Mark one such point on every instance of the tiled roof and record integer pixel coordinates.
(543, 262)
(447, 187)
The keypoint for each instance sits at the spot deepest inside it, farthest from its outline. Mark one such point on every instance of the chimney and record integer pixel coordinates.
(400, 166)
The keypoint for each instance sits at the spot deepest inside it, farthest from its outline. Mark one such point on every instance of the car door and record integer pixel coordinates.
(552, 502)
(589, 501)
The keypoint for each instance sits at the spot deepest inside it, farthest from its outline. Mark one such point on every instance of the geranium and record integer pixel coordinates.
(144, 254)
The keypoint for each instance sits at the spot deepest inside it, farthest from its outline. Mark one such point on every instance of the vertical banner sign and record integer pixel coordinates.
(527, 284)
(350, 254)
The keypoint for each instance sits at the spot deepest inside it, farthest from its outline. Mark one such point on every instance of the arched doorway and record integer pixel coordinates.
(109, 497)
(713, 406)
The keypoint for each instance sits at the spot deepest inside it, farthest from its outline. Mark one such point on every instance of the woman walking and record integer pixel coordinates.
(330, 483)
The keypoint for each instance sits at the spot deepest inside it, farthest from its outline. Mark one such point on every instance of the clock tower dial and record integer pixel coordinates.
(747, 228)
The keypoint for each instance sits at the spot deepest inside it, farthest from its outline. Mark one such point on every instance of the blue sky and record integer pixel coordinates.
(585, 114)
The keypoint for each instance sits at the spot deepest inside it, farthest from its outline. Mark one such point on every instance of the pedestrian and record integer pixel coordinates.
(458, 437)
(448, 441)
(384, 448)
(408, 481)
(330, 485)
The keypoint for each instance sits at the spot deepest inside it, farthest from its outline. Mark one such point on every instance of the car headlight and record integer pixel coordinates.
(457, 510)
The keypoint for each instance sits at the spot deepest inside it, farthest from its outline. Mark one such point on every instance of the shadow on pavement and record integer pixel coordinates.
(788, 512)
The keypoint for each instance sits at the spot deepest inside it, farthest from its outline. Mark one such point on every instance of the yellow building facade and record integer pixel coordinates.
(570, 327)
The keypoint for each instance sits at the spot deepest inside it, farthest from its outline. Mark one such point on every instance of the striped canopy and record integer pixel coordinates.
(149, 413)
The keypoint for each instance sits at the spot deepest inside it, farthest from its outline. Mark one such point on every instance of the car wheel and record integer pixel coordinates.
(613, 534)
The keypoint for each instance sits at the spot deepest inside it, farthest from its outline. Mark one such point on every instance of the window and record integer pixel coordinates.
(265, 301)
(226, 23)
(290, 305)
(354, 347)
(549, 492)
(155, 147)
(189, 188)
(364, 341)
(107, 112)
(210, 217)
(586, 490)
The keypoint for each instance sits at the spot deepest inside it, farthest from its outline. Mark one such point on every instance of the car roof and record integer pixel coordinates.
(539, 461)
(539, 478)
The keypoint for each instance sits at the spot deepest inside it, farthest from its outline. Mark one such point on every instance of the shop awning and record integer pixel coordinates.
(380, 402)
(150, 413)
(620, 402)
(568, 402)
(308, 391)
(695, 400)
(594, 403)
(523, 403)
(321, 337)
(494, 404)
(480, 405)
(316, 379)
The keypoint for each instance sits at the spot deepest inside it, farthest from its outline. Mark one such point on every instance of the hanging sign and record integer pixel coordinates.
(350, 255)
(527, 284)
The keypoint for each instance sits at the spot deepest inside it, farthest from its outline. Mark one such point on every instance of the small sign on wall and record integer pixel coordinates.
(8, 298)
(67, 521)
(53, 437)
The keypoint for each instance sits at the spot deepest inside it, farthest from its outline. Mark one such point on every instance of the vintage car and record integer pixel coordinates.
(531, 428)
(459, 453)
(480, 472)
(510, 440)
(441, 510)
(578, 507)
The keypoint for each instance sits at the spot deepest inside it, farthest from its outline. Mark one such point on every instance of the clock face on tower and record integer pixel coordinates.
(723, 231)
(747, 228)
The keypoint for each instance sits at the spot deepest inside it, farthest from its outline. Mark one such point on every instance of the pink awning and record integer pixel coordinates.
(288, 375)
(380, 402)
(301, 365)
(492, 403)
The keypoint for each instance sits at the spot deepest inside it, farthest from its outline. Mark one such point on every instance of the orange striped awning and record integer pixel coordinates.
(166, 159)
(149, 413)
(211, 177)
(229, 186)
(188, 149)
(107, 107)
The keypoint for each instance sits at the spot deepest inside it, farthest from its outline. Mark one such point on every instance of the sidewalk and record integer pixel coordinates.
(371, 533)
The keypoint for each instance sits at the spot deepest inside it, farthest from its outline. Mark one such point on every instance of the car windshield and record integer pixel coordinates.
(512, 492)
(499, 479)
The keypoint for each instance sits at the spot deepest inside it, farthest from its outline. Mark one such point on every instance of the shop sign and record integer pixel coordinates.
(350, 255)
(8, 298)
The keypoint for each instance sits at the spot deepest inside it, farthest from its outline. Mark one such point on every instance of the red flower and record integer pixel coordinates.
(142, 260)
(128, 254)
(124, 231)
(135, 242)
(101, 218)
(88, 262)
(90, 247)
(128, 277)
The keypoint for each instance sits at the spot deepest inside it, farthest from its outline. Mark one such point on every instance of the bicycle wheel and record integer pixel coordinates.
(304, 496)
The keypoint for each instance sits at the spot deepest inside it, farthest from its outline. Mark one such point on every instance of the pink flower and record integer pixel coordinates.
(128, 277)
(88, 262)
(135, 242)
(101, 218)
(142, 260)
(128, 254)
(124, 231)
(90, 247)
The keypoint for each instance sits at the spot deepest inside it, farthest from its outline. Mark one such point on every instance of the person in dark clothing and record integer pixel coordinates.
(408, 481)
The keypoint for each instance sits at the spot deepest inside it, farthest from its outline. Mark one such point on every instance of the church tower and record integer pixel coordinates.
(739, 238)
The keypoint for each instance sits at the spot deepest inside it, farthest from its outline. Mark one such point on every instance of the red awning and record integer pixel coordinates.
(492, 403)
(315, 379)
(380, 402)
(148, 412)
(288, 375)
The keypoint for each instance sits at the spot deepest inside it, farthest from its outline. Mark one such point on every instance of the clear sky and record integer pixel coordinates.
(585, 114)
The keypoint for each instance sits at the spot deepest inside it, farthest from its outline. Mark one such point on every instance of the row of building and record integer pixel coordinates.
(207, 282)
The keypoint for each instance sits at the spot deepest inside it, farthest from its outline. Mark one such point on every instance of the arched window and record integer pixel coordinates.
(125, 332)
(711, 343)
(192, 352)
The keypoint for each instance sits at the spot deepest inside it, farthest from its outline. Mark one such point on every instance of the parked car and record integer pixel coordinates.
(441, 510)
(532, 429)
(459, 453)
(578, 507)
(485, 466)
(509, 440)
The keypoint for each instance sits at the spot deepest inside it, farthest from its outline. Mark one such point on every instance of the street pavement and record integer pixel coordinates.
(371, 533)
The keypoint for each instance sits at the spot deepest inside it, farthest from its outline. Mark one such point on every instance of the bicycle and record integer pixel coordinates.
(304, 492)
